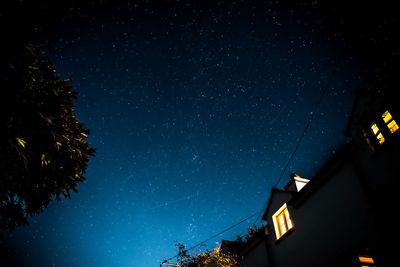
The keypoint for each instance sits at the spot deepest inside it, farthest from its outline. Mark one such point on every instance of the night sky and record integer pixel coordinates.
(194, 109)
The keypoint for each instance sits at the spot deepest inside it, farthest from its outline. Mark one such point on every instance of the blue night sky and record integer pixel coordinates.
(194, 110)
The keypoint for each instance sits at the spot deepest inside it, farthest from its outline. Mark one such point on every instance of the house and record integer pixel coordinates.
(346, 215)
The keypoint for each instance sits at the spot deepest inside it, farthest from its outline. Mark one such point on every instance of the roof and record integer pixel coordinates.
(383, 88)
(352, 114)
(315, 182)
(234, 247)
(273, 192)
(362, 104)
(322, 175)
(241, 248)
(251, 245)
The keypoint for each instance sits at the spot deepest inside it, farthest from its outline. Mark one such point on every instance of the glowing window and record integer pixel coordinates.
(386, 116)
(377, 133)
(375, 128)
(282, 221)
(390, 122)
(393, 126)
(366, 261)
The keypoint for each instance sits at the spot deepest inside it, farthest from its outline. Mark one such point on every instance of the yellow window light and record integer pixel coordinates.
(282, 221)
(375, 128)
(366, 259)
(288, 220)
(380, 138)
(282, 224)
(392, 126)
(390, 122)
(386, 116)
(377, 133)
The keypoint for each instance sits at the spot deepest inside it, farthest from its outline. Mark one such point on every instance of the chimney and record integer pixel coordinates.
(296, 183)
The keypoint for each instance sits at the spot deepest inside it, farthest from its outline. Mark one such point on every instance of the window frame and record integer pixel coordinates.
(282, 218)
(389, 121)
(371, 137)
(366, 260)
(379, 140)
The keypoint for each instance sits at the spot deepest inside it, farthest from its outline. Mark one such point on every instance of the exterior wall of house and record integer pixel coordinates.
(277, 199)
(331, 221)
(379, 169)
(380, 172)
(381, 162)
(353, 208)
(256, 256)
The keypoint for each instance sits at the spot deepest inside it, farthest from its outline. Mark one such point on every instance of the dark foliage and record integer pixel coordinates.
(209, 258)
(43, 148)
(253, 233)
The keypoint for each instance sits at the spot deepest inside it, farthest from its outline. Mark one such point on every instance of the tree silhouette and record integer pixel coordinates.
(214, 258)
(253, 232)
(43, 148)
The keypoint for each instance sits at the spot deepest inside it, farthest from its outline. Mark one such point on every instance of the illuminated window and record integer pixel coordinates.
(377, 133)
(378, 130)
(366, 261)
(390, 122)
(282, 221)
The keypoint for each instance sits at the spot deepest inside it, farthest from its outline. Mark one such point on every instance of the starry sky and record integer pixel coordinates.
(194, 109)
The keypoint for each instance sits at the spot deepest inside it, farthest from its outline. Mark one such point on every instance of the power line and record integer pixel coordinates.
(309, 122)
(307, 125)
(287, 164)
(218, 234)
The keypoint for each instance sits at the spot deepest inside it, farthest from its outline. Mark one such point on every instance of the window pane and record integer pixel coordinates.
(281, 221)
(380, 138)
(386, 116)
(282, 224)
(366, 259)
(288, 221)
(393, 126)
(375, 128)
